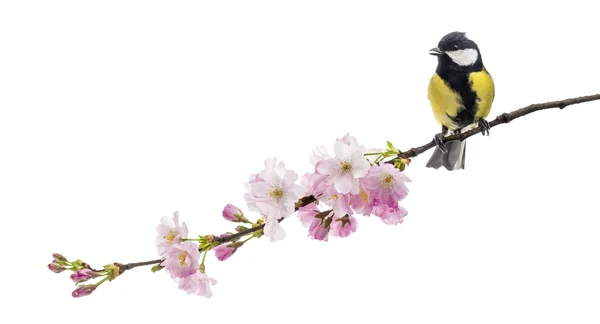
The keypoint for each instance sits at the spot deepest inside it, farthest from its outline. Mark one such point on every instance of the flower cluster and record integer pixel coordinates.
(82, 273)
(181, 257)
(347, 183)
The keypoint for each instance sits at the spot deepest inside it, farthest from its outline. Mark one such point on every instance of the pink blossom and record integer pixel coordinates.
(391, 214)
(170, 232)
(347, 166)
(386, 183)
(224, 251)
(343, 226)
(232, 213)
(83, 290)
(197, 283)
(274, 191)
(182, 259)
(319, 229)
(83, 275)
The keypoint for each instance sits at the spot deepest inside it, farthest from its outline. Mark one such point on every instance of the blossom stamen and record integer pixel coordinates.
(170, 237)
(276, 193)
(387, 180)
(364, 195)
(345, 166)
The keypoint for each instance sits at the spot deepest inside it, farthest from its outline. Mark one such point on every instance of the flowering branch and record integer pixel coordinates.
(347, 183)
(302, 202)
(501, 119)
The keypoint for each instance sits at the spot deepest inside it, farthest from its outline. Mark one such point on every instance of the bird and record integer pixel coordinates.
(461, 92)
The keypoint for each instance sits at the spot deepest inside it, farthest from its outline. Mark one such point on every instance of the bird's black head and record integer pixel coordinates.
(456, 50)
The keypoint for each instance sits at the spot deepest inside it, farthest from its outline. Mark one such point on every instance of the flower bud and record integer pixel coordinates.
(56, 268)
(59, 257)
(224, 251)
(83, 290)
(241, 228)
(156, 268)
(233, 214)
(83, 275)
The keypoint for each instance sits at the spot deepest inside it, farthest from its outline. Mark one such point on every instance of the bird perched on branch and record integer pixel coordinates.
(461, 93)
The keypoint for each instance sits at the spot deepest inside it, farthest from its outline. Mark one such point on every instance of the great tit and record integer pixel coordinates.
(461, 93)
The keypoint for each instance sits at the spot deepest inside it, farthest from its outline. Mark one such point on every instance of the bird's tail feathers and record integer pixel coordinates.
(454, 160)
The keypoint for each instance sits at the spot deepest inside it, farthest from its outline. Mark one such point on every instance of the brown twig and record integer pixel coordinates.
(129, 266)
(502, 119)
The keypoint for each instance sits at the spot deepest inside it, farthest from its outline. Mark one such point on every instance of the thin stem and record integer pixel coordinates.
(246, 240)
(204, 257)
(101, 281)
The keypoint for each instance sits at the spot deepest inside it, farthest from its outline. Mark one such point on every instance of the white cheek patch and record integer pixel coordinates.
(464, 57)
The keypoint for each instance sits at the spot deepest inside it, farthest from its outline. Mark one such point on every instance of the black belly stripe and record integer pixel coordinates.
(459, 82)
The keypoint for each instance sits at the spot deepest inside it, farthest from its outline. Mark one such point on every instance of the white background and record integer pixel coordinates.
(116, 113)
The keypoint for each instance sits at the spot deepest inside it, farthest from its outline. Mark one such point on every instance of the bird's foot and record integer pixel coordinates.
(439, 141)
(485, 127)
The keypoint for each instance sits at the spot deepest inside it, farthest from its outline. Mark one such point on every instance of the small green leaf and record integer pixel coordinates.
(391, 146)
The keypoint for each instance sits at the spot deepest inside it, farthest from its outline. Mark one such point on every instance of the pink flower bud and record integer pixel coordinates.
(84, 290)
(224, 251)
(56, 268)
(59, 257)
(319, 230)
(83, 275)
(232, 213)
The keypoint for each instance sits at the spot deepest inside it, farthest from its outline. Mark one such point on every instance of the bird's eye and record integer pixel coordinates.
(455, 46)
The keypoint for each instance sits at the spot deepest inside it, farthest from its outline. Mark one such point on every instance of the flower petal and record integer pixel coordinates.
(343, 184)
(328, 166)
(360, 167)
(274, 231)
(342, 150)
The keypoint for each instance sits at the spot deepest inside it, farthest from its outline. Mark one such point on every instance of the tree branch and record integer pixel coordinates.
(502, 119)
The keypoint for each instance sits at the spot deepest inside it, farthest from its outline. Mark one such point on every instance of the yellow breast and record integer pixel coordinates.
(444, 101)
(483, 85)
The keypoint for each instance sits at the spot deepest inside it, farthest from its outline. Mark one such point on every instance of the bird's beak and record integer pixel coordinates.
(435, 51)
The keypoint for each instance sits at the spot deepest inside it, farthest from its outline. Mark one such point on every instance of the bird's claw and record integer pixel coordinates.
(439, 141)
(485, 127)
